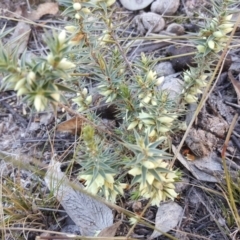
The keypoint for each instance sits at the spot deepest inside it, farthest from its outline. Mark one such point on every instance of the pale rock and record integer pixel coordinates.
(164, 69)
(168, 7)
(173, 86)
(149, 22)
(135, 4)
(176, 28)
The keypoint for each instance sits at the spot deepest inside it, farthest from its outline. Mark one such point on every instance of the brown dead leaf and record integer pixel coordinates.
(72, 125)
(110, 231)
(43, 9)
(78, 37)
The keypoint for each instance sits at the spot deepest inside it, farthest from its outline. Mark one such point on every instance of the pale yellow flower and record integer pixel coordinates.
(39, 102)
(20, 83)
(65, 64)
(190, 98)
(148, 164)
(110, 2)
(31, 77)
(77, 6)
(132, 125)
(150, 178)
(71, 29)
(151, 76)
(211, 44)
(159, 81)
(135, 171)
(62, 37)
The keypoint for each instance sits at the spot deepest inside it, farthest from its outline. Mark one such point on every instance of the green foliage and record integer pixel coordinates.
(139, 146)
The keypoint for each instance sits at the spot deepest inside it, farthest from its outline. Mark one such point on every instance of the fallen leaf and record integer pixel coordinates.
(43, 9)
(167, 218)
(203, 168)
(19, 39)
(22, 31)
(72, 125)
(110, 231)
(77, 38)
(86, 212)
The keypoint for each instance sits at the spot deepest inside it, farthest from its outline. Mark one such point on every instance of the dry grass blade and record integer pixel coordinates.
(236, 85)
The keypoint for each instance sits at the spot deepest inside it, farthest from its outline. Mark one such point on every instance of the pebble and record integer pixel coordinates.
(164, 69)
(135, 4)
(168, 7)
(176, 28)
(149, 21)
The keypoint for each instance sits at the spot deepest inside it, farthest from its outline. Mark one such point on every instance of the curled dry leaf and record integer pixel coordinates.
(203, 169)
(72, 125)
(43, 9)
(110, 231)
(167, 218)
(86, 212)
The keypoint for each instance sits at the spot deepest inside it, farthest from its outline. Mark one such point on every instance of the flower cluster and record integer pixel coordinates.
(77, 7)
(36, 79)
(158, 185)
(83, 100)
(98, 165)
(213, 40)
(58, 48)
(152, 112)
(81, 8)
(103, 184)
(194, 82)
(214, 36)
(151, 172)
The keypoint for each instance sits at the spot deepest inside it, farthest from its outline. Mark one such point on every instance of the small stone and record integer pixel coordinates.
(164, 69)
(173, 86)
(168, 7)
(149, 22)
(135, 4)
(34, 126)
(176, 28)
(183, 62)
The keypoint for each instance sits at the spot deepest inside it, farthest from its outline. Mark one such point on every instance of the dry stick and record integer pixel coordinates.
(83, 238)
(64, 234)
(205, 95)
(25, 20)
(129, 65)
(228, 179)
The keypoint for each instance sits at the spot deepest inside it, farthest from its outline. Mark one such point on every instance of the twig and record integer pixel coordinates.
(228, 178)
